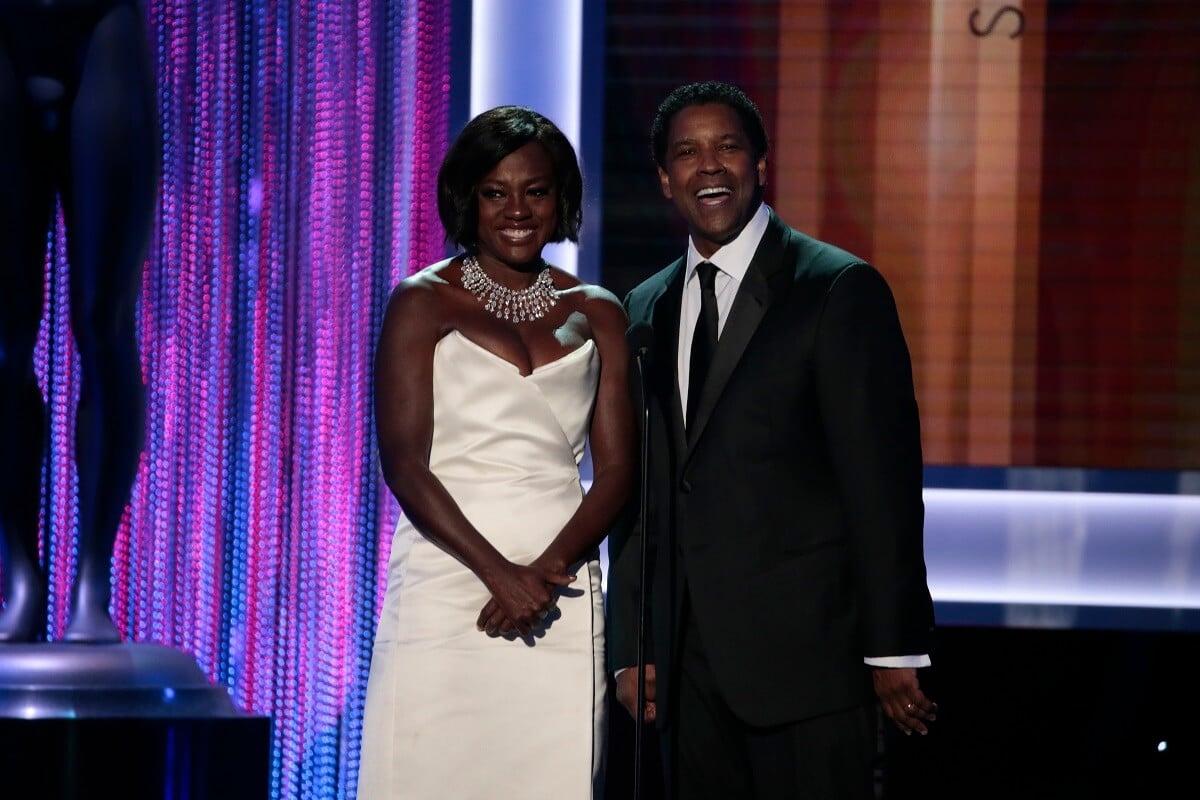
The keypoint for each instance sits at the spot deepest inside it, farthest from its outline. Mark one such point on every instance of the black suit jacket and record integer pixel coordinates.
(794, 515)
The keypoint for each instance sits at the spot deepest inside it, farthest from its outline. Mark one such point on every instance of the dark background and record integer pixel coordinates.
(1108, 372)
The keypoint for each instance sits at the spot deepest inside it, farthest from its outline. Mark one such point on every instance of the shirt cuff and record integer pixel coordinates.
(895, 662)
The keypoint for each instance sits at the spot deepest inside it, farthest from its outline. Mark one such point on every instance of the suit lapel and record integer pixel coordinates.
(767, 273)
(665, 323)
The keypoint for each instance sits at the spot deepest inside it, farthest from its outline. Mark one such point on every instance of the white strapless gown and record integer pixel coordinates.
(452, 713)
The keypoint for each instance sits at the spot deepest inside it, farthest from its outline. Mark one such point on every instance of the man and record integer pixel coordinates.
(785, 511)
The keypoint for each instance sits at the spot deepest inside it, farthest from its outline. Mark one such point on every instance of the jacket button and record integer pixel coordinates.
(686, 486)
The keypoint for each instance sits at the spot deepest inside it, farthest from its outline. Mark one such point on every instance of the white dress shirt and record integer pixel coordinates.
(732, 261)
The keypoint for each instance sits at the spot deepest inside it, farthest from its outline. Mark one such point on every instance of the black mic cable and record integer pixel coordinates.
(640, 337)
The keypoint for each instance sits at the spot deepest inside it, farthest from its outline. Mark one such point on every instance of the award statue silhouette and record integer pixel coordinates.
(125, 719)
(77, 123)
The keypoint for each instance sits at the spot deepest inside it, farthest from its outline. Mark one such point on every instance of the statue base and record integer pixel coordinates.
(123, 720)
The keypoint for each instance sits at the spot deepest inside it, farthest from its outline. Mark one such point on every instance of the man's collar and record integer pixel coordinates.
(733, 258)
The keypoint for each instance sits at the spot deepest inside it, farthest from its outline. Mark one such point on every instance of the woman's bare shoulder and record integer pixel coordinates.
(421, 294)
(603, 310)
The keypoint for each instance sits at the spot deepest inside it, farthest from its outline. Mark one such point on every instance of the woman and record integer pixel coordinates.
(493, 369)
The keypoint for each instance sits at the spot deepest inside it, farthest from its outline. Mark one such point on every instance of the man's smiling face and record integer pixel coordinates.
(712, 174)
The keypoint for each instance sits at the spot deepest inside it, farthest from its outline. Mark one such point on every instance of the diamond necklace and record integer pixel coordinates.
(522, 305)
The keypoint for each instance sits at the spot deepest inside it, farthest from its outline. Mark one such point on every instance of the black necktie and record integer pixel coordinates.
(704, 339)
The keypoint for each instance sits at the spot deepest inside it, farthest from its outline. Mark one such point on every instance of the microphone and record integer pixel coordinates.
(640, 338)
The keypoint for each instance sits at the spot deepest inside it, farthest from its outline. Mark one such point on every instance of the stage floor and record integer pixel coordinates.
(1034, 713)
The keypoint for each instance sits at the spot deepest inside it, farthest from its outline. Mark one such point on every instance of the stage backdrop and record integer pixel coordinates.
(1026, 174)
(300, 146)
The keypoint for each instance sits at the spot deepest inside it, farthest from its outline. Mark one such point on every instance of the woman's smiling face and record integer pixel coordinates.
(518, 207)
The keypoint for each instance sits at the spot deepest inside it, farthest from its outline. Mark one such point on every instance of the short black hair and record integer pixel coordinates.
(703, 93)
(483, 143)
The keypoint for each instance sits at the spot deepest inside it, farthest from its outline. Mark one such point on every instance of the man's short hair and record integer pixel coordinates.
(703, 93)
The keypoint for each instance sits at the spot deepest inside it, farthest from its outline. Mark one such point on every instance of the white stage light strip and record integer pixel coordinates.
(529, 52)
(1063, 548)
(1038, 558)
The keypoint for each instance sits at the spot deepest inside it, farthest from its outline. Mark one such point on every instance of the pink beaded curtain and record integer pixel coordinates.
(300, 147)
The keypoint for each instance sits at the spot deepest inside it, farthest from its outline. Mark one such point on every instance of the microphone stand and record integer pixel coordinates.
(639, 721)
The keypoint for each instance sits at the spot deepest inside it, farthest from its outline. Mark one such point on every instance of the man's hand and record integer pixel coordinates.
(627, 691)
(902, 699)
